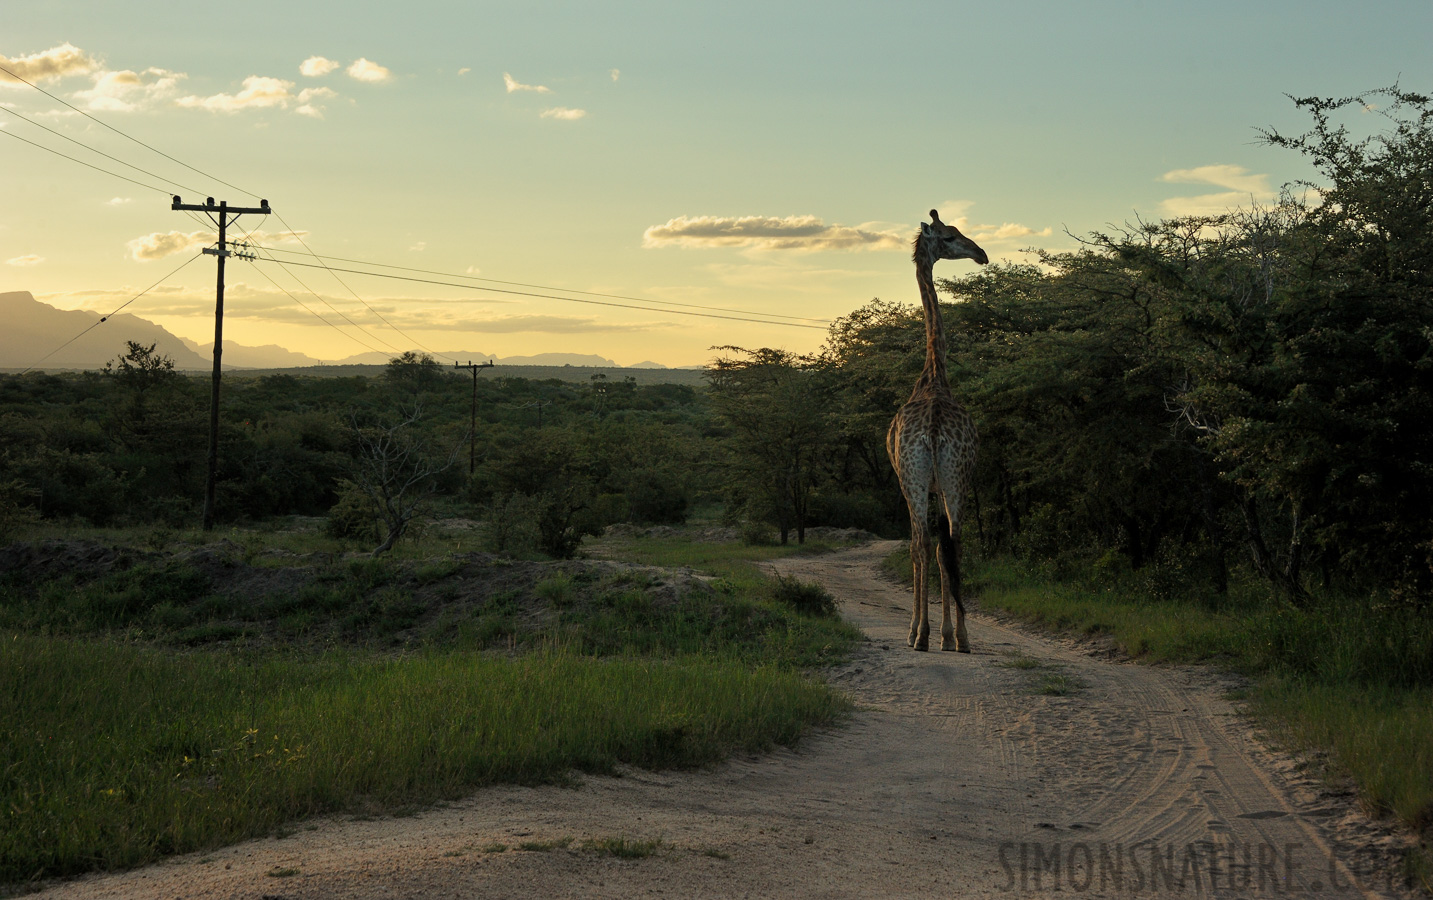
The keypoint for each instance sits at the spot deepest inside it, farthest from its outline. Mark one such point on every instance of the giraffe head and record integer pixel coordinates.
(938, 240)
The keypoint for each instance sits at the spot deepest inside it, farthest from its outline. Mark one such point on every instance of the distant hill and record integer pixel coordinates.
(269, 356)
(30, 329)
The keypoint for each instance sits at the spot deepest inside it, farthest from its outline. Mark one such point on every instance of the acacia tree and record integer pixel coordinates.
(1309, 372)
(414, 371)
(141, 368)
(775, 412)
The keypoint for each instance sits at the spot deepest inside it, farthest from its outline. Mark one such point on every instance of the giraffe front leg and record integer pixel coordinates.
(914, 596)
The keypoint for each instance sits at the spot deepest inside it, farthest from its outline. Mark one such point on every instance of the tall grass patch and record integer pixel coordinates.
(117, 754)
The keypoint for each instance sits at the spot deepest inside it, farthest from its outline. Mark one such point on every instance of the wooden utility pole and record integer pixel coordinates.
(473, 421)
(222, 251)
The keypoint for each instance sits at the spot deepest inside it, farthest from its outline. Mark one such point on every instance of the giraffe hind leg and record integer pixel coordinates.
(952, 636)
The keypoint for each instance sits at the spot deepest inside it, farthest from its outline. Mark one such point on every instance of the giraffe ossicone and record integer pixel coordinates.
(932, 443)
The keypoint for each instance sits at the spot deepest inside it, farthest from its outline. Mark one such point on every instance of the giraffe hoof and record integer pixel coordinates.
(922, 646)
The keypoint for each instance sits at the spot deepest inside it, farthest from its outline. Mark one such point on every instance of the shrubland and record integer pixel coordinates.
(1208, 438)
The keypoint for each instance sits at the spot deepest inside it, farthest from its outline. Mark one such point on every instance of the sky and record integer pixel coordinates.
(744, 160)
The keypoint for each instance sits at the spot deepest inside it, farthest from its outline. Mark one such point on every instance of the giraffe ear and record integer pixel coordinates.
(925, 228)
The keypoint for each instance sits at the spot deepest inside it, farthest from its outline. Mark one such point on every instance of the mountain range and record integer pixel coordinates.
(29, 329)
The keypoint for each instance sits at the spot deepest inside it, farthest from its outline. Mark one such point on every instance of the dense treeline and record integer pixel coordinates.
(1195, 393)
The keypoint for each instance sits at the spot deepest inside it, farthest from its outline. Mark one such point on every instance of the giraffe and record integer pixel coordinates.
(932, 443)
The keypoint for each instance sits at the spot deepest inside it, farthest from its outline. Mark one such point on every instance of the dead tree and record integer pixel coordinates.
(394, 470)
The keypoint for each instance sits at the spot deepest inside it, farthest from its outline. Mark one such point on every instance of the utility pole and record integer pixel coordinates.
(537, 405)
(473, 421)
(225, 211)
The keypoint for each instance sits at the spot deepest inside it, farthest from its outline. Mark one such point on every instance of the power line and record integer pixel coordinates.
(325, 265)
(670, 307)
(679, 312)
(316, 314)
(192, 215)
(123, 135)
(83, 163)
(106, 318)
(91, 149)
(547, 287)
(336, 311)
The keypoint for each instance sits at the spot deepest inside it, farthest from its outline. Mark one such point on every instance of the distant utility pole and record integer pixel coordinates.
(222, 251)
(473, 421)
(537, 405)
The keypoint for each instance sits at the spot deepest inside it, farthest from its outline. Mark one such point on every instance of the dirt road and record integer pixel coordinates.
(960, 776)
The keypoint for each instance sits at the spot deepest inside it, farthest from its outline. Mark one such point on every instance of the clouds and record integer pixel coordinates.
(514, 85)
(265, 92)
(317, 67)
(27, 260)
(1242, 188)
(812, 234)
(808, 233)
(994, 233)
(361, 69)
(159, 244)
(47, 65)
(128, 90)
(260, 92)
(368, 72)
(559, 113)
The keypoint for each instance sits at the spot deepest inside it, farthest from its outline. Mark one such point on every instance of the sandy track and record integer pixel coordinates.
(955, 778)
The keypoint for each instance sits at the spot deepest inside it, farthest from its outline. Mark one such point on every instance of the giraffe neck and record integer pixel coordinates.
(934, 369)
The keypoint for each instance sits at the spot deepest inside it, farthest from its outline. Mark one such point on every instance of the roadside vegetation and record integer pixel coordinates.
(1208, 439)
(1205, 438)
(162, 702)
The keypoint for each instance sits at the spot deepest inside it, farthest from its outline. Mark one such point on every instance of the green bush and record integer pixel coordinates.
(511, 526)
(15, 512)
(806, 597)
(353, 517)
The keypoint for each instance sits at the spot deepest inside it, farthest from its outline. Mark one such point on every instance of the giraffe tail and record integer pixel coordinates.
(949, 555)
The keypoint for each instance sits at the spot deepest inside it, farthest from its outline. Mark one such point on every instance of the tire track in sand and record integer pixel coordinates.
(1138, 777)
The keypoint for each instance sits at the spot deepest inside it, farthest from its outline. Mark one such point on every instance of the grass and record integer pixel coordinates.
(1055, 684)
(148, 710)
(622, 848)
(713, 557)
(1046, 682)
(1348, 675)
(117, 755)
(474, 603)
